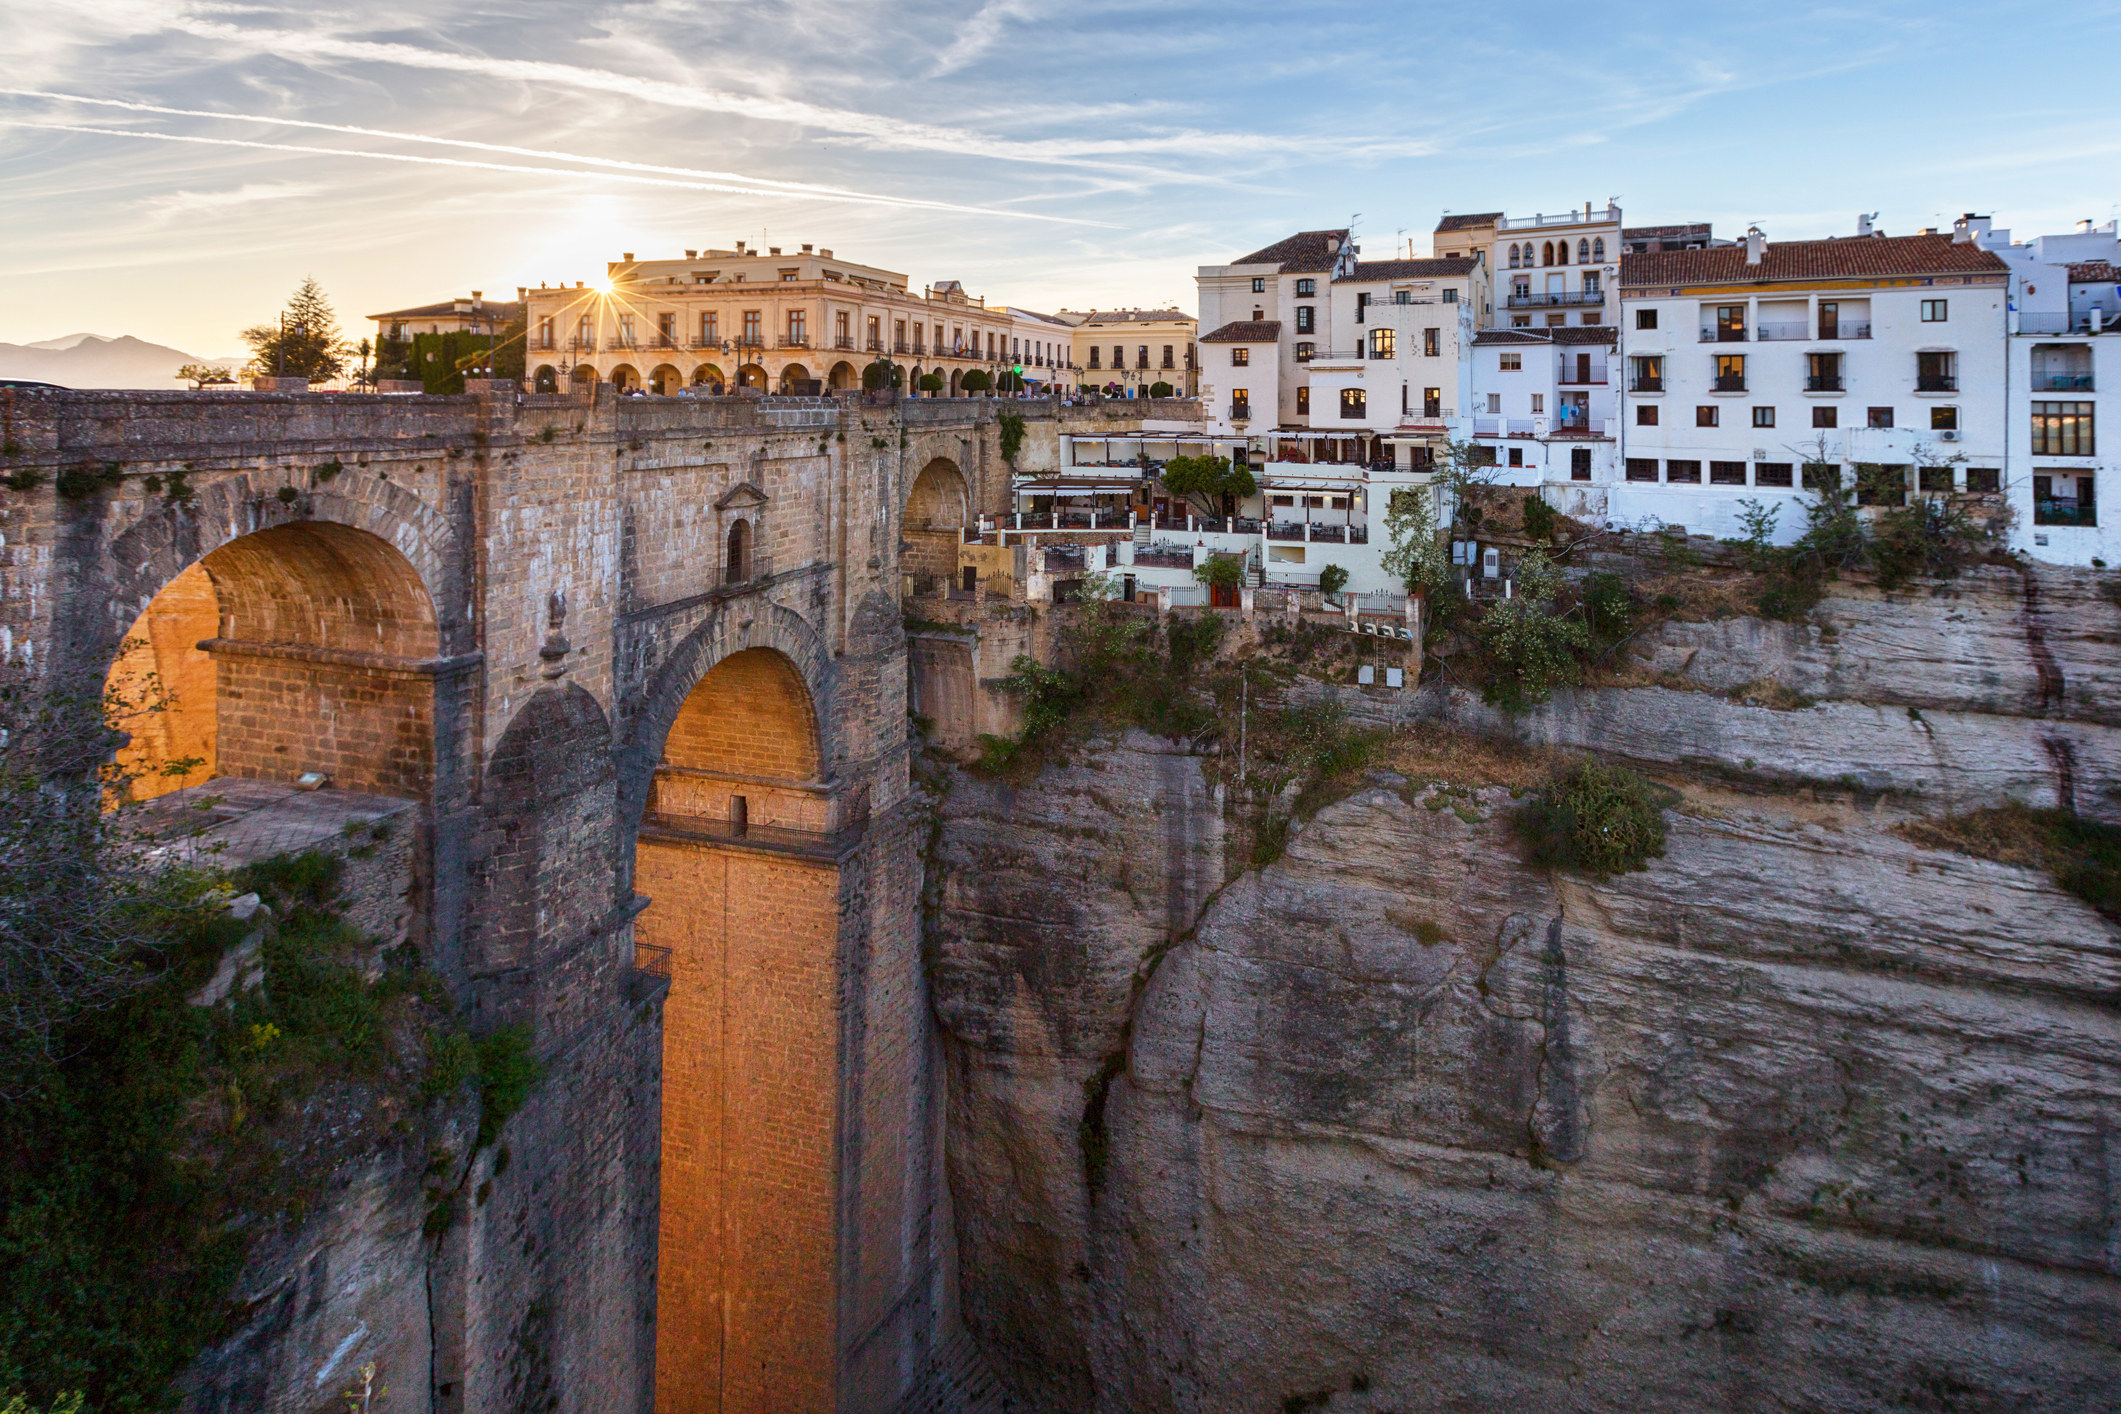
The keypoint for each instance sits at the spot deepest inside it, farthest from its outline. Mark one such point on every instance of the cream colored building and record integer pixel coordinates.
(800, 322)
(1551, 271)
(475, 315)
(1136, 349)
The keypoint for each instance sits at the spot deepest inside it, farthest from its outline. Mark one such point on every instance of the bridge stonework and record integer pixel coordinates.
(639, 664)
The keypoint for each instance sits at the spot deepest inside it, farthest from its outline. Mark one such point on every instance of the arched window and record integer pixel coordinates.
(1513, 257)
(1546, 254)
(1598, 251)
(1561, 251)
(739, 567)
(1583, 252)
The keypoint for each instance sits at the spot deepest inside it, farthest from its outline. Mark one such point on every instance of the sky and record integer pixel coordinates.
(173, 169)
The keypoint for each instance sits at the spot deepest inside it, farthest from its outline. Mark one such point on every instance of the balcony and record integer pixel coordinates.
(875, 346)
(581, 345)
(1241, 412)
(844, 341)
(795, 341)
(1731, 383)
(1581, 378)
(1845, 329)
(1823, 383)
(2064, 511)
(899, 347)
(1556, 300)
(1646, 385)
(2062, 383)
(751, 341)
(1767, 333)
(1723, 335)
(1936, 383)
(666, 341)
(706, 341)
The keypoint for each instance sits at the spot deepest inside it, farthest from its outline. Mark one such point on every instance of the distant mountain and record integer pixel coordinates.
(92, 361)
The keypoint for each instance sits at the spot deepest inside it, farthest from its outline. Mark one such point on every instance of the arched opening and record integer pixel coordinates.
(664, 381)
(546, 379)
(1546, 253)
(937, 509)
(796, 380)
(305, 650)
(751, 376)
(736, 856)
(583, 375)
(626, 378)
(843, 377)
(956, 387)
(736, 561)
(708, 375)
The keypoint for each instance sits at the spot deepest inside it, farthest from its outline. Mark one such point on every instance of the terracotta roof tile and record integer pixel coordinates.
(1850, 256)
(1665, 233)
(2095, 272)
(488, 309)
(1245, 331)
(1306, 250)
(1471, 221)
(1588, 334)
(1134, 316)
(1410, 269)
(1509, 336)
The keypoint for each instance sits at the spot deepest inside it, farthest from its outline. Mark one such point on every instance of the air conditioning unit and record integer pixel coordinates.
(1949, 436)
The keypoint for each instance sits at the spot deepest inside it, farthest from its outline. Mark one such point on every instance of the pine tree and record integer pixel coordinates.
(305, 342)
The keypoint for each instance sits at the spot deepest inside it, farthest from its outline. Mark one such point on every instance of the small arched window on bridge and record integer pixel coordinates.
(738, 567)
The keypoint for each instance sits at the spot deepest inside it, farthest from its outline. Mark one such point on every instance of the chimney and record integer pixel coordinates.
(826, 253)
(1863, 224)
(692, 255)
(806, 247)
(1755, 245)
(1332, 245)
(773, 250)
(739, 247)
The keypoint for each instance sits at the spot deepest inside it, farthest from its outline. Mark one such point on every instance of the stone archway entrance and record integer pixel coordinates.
(937, 510)
(738, 851)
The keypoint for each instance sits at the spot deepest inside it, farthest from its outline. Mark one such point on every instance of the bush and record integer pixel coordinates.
(1540, 519)
(975, 381)
(1220, 572)
(1332, 579)
(1600, 819)
(881, 374)
(1608, 607)
(2082, 856)
(1159, 390)
(932, 382)
(1530, 645)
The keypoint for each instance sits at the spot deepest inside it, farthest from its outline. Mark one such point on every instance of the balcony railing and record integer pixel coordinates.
(1555, 299)
(1588, 377)
(1730, 384)
(1823, 383)
(900, 347)
(1164, 557)
(581, 345)
(666, 341)
(843, 341)
(751, 341)
(1783, 331)
(1240, 412)
(1936, 383)
(702, 341)
(2062, 382)
(2064, 512)
(1646, 385)
(795, 341)
(1714, 335)
(876, 345)
(1845, 329)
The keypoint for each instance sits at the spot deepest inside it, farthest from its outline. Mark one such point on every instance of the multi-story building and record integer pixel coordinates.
(1650, 240)
(1754, 367)
(1287, 285)
(1545, 409)
(460, 316)
(1040, 345)
(719, 319)
(2065, 357)
(1551, 272)
(1135, 349)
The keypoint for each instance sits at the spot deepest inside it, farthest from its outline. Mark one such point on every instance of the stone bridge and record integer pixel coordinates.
(638, 666)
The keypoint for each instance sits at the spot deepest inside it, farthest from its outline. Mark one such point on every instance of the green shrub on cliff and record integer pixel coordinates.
(1595, 818)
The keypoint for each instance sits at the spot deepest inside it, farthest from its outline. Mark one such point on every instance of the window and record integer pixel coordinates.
(1241, 403)
(1686, 472)
(1598, 249)
(1303, 401)
(1512, 362)
(1555, 321)
(1539, 403)
(1239, 357)
(626, 330)
(1828, 416)
(545, 332)
(1141, 356)
(1730, 323)
(1649, 374)
(1822, 373)
(1362, 302)
(787, 275)
(1880, 419)
(1645, 319)
(1642, 468)
(898, 337)
(1450, 296)
(1707, 415)
(1983, 480)
(1432, 402)
(1513, 257)
(1772, 474)
(1726, 473)
(1494, 402)
(1944, 419)
(1516, 456)
(1167, 357)
(1936, 373)
(798, 327)
(875, 327)
(1822, 476)
(753, 328)
(2062, 429)
(1383, 343)
(1591, 283)
(1306, 288)
(1645, 414)
(1259, 284)
(1307, 319)
(1880, 485)
(1095, 364)
(1402, 297)
(1583, 252)
(1829, 319)
(1520, 321)
(1933, 478)
(1579, 464)
(1933, 311)
(1306, 351)
(1354, 403)
(1763, 417)
(1119, 355)
(1730, 373)
(1432, 343)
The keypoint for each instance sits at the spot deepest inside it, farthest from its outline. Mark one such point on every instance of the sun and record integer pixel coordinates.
(601, 284)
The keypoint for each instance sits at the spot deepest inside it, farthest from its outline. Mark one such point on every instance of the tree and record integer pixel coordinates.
(881, 374)
(1159, 390)
(1011, 437)
(931, 383)
(205, 375)
(304, 342)
(1220, 572)
(1416, 555)
(1332, 579)
(975, 381)
(1211, 480)
(1532, 645)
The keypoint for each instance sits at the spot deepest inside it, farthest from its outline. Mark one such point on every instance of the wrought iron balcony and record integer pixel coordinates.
(1936, 383)
(1730, 383)
(1646, 385)
(1556, 299)
(2062, 382)
(1719, 335)
(1823, 383)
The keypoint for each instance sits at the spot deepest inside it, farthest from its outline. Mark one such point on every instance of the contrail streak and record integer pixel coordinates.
(635, 178)
(547, 154)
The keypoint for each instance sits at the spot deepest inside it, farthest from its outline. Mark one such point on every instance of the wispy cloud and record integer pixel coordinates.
(171, 206)
(979, 35)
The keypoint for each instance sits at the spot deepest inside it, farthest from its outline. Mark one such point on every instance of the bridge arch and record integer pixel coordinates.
(938, 506)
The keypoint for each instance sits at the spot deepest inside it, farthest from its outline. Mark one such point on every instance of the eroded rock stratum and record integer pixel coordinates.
(1801, 1117)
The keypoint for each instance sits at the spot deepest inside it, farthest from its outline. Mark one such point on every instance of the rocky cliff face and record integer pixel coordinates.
(1803, 1116)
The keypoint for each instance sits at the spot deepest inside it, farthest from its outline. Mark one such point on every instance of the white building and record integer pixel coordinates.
(1551, 272)
(1545, 411)
(1039, 344)
(2065, 358)
(1745, 363)
(1287, 285)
